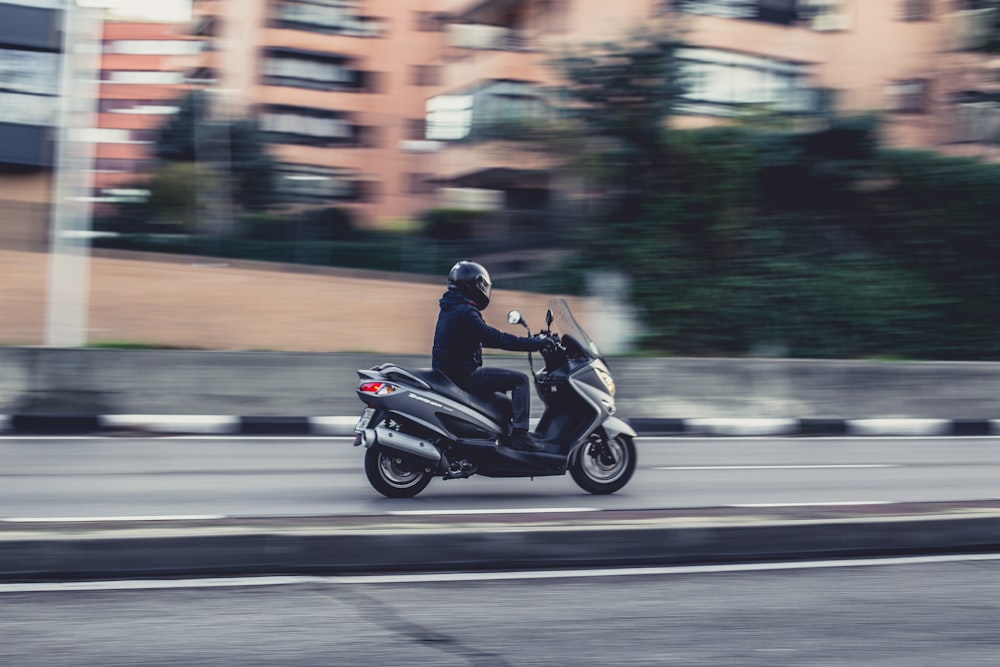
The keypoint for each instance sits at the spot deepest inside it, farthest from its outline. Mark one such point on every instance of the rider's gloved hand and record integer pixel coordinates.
(550, 343)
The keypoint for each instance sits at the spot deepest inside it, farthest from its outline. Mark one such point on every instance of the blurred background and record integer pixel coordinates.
(769, 178)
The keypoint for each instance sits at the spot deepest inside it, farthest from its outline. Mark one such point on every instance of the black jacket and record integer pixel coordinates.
(461, 334)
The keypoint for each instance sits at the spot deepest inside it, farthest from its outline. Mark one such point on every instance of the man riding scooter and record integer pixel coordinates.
(459, 338)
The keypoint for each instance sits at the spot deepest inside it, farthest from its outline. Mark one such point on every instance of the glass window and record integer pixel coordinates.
(308, 182)
(308, 125)
(153, 47)
(146, 77)
(449, 117)
(28, 109)
(330, 16)
(29, 72)
(308, 72)
(725, 80)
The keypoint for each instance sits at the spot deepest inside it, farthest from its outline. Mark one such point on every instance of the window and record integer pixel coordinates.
(136, 107)
(453, 117)
(153, 47)
(299, 125)
(313, 183)
(152, 77)
(326, 16)
(916, 10)
(719, 82)
(316, 73)
(977, 119)
(28, 109)
(908, 96)
(425, 75)
(29, 72)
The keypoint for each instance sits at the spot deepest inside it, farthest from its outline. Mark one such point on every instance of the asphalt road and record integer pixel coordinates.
(904, 615)
(119, 477)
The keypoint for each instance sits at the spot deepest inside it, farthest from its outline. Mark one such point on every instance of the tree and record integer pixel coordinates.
(235, 147)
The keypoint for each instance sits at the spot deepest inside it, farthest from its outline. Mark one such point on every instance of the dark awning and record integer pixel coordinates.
(498, 178)
(487, 12)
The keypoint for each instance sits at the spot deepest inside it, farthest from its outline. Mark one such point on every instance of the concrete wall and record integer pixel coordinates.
(93, 381)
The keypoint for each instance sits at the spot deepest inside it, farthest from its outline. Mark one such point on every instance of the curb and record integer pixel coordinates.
(337, 544)
(344, 425)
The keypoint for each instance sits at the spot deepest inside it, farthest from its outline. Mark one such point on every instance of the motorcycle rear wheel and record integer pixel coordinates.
(604, 465)
(393, 475)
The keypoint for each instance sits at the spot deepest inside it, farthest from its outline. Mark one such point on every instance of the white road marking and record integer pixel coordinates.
(84, 519)
(449, 577)
(832, 503)
(782, 467)
(527, 510)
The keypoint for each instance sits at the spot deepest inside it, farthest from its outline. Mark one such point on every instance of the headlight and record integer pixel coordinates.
(606, 378)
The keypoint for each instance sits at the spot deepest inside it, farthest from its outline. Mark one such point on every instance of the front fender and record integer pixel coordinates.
(613, 426)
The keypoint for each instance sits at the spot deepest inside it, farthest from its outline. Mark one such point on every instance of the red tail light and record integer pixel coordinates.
(376, 388)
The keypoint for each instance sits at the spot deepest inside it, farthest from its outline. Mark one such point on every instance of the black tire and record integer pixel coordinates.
(604, 465)
(394, 475)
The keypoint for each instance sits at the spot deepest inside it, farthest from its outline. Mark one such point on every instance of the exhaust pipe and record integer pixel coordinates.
(407, 444)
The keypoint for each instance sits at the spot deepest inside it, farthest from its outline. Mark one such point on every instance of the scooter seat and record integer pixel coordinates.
(496, 406)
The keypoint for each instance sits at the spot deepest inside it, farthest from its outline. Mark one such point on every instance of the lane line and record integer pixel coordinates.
(783, 467)
(527, 510)
(832, 503)
(85, 519)
(448, 577)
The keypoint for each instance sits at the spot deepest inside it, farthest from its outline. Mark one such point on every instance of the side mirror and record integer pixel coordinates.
(514, 317)
(548, 318)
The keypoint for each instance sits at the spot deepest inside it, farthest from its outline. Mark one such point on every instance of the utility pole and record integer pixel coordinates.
(70, 227)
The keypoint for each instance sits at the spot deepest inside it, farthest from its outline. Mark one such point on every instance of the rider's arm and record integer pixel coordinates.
(491, 337)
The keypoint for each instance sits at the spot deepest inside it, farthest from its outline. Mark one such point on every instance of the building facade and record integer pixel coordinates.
(338, 87)
(374, 105)
(144, 69)
(30, 55)
(913, 62)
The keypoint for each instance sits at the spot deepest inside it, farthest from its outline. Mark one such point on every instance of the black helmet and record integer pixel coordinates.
(472, 280)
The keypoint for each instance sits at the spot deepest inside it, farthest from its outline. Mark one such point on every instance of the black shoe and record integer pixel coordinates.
(521, 440)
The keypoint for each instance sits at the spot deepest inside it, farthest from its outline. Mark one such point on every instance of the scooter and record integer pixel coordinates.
(417, 424)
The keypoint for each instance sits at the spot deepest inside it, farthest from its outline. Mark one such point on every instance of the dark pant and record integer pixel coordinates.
(486, 381)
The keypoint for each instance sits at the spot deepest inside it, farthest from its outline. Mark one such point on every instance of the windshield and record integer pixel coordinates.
(565, 325)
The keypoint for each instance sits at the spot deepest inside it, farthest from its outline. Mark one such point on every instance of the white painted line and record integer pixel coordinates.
(782, 467)
(85, 519)
(529, 510)
(833, 503)
(246, 582)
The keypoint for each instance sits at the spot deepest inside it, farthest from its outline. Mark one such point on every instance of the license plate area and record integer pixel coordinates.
(364, 420)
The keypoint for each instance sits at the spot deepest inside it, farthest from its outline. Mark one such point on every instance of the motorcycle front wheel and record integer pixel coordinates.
(393, 475)
(604, 465)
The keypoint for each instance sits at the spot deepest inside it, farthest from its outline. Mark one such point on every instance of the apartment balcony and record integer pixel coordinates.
(318, 42)
(313, 99)
(968, 30)
(473, 67)
(490, 12)
(491, 165)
